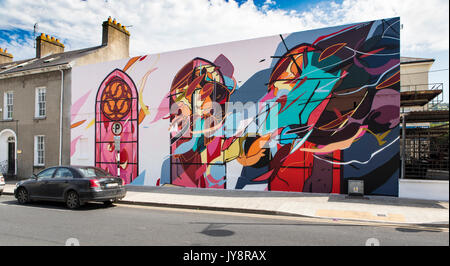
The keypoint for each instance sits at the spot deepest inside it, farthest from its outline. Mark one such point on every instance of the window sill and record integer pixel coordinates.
(40, 118)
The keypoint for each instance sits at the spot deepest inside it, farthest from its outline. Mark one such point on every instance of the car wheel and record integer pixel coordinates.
(22, 196)
(108, 203)
(72, 200)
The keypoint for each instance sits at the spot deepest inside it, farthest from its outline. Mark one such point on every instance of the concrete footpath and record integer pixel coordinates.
(330, 206)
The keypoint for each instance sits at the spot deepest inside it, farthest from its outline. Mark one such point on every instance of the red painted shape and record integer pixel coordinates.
(372, 52)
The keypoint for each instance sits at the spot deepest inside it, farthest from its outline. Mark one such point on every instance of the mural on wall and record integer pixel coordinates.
(116, 115)
(297, 112)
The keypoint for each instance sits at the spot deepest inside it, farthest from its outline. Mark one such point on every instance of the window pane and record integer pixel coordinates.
(46, 173)
(93, 172)
(41, 102)
(63, 173)
(9, 105)
(40, 149)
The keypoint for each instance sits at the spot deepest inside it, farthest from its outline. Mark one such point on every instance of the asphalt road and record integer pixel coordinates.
(52, 224)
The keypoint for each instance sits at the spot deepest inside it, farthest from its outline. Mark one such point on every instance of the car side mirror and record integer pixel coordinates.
(34, 176)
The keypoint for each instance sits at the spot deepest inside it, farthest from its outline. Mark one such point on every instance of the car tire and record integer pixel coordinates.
(22, 196)
(108, 203)
(72, 200)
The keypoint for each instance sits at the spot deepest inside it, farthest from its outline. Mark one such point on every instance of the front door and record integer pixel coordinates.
(11, 158)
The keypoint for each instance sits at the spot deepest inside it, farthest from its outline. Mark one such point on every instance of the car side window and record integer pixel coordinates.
(46, 173)
(63, 173)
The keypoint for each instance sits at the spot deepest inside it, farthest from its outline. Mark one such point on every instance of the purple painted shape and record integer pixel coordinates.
(386, 102)
(226, 67)
(377, 70)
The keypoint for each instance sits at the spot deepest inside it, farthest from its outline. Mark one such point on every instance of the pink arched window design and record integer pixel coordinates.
(116, 114)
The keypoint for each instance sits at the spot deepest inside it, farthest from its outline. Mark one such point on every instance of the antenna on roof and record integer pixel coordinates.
(35, 29)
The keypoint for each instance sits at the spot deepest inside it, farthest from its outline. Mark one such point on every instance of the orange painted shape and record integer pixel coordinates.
(74, 125)
(130, 63)
(141, 115)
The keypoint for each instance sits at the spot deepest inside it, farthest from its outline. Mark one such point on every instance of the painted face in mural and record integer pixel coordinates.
(329, 94)
(198, 95)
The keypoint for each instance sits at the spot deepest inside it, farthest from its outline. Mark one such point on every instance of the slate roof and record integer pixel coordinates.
(48, 61)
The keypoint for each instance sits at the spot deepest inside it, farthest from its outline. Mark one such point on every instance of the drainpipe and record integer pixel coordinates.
(60, 117)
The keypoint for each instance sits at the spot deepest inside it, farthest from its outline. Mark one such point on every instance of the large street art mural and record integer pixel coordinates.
(304, 112)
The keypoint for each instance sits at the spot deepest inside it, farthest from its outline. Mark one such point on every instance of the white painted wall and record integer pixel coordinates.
(4, 135)
(424, 189)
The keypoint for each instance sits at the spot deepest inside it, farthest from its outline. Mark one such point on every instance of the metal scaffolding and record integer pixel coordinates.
(424, 134)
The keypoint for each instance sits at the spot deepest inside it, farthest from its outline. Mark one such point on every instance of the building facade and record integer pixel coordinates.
(425, 128)
(35, 98)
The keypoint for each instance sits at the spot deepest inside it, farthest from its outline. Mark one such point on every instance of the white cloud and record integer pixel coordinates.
(163, 25)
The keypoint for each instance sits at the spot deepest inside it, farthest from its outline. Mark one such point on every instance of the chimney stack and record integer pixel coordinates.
(5, 57)
(116, 37)
(47, 45)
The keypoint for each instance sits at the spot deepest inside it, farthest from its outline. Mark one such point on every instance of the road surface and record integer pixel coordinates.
(52, 224)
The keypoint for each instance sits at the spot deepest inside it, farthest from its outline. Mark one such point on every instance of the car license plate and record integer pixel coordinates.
(112, 185)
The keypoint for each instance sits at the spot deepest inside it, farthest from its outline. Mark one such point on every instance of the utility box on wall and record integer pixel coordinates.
(356, 187)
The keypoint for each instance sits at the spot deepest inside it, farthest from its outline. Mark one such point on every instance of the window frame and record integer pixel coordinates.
(40, 105)
(39, 152)
(63, 177)
(8, 105)
(46, 170)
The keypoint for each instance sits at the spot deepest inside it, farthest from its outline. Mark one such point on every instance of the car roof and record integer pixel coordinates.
(74, 166)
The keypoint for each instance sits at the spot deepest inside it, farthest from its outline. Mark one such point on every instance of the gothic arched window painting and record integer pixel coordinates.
(117, 115)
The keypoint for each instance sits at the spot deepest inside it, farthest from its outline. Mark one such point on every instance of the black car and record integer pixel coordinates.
(74, 185)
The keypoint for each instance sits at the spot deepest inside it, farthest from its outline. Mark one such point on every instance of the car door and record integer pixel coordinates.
(60, 182)
(36, 187)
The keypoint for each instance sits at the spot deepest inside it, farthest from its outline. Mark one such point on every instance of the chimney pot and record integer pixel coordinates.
(47, 45)
(5, 57)
(116, 37)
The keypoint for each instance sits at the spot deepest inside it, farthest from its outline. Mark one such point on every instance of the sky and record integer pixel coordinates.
(165, 25)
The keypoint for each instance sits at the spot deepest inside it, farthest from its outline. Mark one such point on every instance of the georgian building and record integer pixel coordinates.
(35, 99)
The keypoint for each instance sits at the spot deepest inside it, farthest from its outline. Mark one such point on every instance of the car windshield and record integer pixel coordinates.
(93, 172)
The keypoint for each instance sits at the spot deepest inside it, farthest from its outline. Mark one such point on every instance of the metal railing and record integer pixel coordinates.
(417, 88)
(4, 167)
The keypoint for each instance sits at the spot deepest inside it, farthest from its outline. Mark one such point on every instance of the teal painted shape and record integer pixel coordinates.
(140, 179)
(309, 95)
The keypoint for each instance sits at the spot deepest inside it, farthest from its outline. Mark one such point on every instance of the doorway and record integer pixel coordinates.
(8, 152)
(11, 155)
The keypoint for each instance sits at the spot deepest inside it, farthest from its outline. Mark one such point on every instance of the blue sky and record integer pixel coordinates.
(288, 4)
(164, 25)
